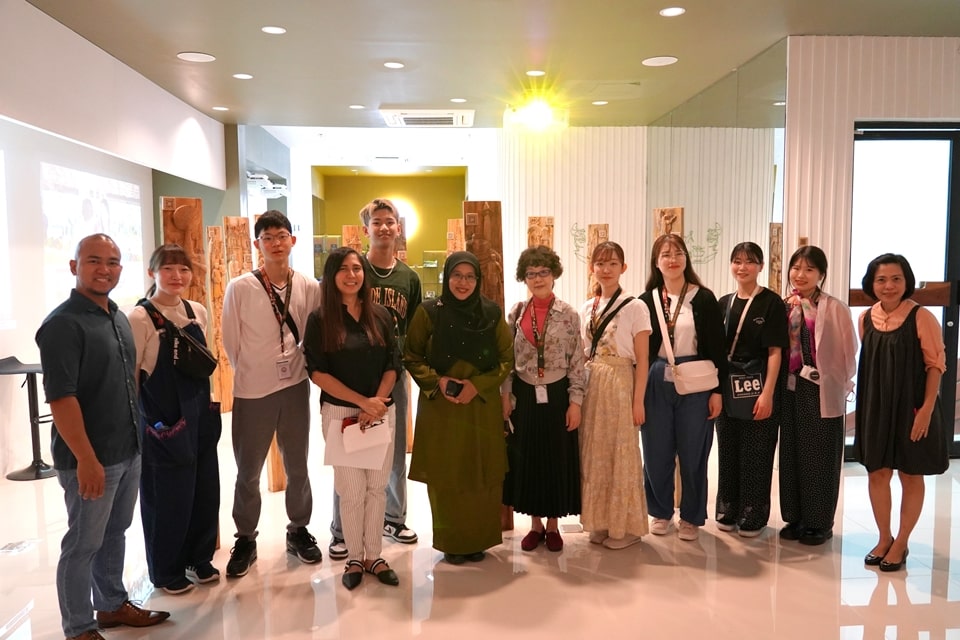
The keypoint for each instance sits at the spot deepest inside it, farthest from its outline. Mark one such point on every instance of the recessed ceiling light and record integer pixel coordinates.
(672, 12)
(779, 103)
(458, 100)
(659, 61)
(357, 106)
(221, 109)
(599, 103)
(536, 73)
(393, 64)
(274, 31)
(195, 56)
(243, 76)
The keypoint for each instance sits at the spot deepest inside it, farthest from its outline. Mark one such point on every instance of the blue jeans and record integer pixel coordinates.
(92, 550)
(676, 427)
(397, 484)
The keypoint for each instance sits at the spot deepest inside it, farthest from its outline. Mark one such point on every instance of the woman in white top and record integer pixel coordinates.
(180, 428)
(615, 329)
(679, 426)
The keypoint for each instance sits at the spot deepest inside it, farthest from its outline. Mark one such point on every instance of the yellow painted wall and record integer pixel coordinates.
(429, 201)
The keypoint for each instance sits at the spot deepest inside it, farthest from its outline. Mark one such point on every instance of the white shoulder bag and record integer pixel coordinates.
(693, 376)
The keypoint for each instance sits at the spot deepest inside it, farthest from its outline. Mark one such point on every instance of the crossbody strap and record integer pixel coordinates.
(663, 329)
(743, 317)
(595, 341)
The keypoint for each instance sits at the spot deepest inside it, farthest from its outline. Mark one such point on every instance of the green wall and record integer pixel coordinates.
(435, 200)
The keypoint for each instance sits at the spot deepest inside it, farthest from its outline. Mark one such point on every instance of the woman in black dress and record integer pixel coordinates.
(899, 424)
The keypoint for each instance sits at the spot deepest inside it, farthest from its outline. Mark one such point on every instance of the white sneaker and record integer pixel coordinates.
(660, 526)
(597, 537)
(621, 543)
(688, 531)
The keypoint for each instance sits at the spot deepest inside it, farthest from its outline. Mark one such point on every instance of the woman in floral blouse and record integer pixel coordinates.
(548, 383)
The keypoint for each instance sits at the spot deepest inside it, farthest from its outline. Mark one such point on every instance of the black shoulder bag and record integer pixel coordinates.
(190, 356)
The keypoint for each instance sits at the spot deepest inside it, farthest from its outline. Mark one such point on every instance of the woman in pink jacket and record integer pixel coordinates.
(821, 363)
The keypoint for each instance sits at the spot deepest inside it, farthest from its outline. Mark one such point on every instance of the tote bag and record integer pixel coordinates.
(745, 380)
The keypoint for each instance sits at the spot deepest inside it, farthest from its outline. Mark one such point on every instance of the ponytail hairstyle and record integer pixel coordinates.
(164, 255)
(604, 251)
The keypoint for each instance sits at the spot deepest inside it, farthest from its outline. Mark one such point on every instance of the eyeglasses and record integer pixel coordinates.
(542, 273)
(676, 255)
(460, 277)
(281, 238)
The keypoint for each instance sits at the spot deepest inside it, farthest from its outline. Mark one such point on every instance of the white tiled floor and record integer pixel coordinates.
(719, 587)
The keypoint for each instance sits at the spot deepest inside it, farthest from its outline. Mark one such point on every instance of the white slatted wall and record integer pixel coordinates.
(580, 176)
(724, 180)
(831, 83)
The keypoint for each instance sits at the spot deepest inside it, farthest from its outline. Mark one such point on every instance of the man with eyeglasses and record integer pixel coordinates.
(397, 287)
(264, 315)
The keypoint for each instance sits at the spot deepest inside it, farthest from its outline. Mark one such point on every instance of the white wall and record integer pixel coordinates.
(55, 80)
(831, 83)
(724, 180)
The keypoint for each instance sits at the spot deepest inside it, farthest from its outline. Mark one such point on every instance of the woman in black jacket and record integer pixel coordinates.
(679, 426)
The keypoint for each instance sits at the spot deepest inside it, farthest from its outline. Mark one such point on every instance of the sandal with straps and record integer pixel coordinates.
(385, 575)
(351, 579)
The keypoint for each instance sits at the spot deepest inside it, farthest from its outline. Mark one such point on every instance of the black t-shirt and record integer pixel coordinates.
(765, 325)
(357, 364)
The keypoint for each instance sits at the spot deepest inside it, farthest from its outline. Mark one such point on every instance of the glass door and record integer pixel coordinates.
(902, 185)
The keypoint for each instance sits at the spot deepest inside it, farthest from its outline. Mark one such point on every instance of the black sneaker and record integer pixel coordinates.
(337, 549)
(179, 586)
(203, 573)
(243, 554)
(303, 545)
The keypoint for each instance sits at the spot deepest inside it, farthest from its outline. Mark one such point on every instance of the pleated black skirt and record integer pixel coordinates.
(544, 475)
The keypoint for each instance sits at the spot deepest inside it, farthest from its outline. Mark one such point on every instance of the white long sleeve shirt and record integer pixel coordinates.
(251, 334)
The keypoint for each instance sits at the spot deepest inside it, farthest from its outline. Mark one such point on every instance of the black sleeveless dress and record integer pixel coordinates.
(891, 379)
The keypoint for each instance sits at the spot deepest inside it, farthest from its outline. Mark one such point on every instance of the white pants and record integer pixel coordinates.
(363, 499)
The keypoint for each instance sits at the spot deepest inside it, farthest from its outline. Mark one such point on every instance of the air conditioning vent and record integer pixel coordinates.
(428, 117)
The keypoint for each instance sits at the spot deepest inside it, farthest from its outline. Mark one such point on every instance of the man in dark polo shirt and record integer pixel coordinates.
(87, 354)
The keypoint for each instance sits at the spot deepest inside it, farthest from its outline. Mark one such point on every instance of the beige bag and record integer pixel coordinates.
(693, 376)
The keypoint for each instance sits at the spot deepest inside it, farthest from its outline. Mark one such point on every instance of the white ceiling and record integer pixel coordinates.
(333, 53)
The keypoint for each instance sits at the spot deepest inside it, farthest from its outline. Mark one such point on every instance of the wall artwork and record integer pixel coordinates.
(483, 231)
(540, 231)
(401, 248)
(455, 237)
(596, 234)
(352, 237)
(667, 220)
(775, 258)
(183, 225)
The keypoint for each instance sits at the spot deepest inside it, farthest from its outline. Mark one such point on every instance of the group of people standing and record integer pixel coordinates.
(539, 411)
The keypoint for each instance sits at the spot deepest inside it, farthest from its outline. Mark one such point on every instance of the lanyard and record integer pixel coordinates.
(672, 322)
(268, 287)
(593, 311)
(540, 338)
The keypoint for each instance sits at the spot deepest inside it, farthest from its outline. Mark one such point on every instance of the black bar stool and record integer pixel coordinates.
(38, 468)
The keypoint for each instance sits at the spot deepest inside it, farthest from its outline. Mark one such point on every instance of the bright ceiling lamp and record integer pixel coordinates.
(535, 115)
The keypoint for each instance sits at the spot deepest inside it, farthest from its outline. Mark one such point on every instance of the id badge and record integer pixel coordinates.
(541, 391)
(668, 374)
(791, 382)
(283, 369)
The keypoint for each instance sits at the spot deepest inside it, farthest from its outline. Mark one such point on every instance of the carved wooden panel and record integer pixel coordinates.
(483, 231)
(775, 258)
(237, 245)
(183, 225)
(667, 220)
(222, 381)
(352, 237)
(596, 234)
(455, 238)
(540, 231)
(401, 250)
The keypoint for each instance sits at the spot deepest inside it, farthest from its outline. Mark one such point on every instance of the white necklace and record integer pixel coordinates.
(383, 275)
